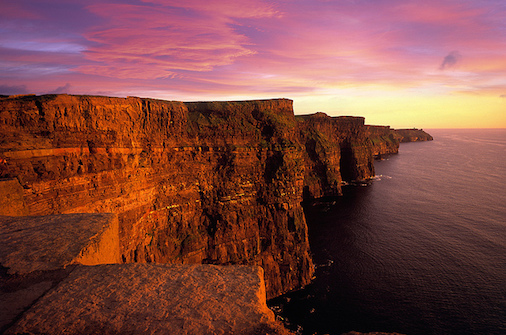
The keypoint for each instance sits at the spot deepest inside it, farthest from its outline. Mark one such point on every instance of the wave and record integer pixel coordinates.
(380, 177)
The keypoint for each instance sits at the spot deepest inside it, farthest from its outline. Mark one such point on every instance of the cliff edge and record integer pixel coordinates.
(413, 135)
(199, 182)
(172, 183)
(210, 182)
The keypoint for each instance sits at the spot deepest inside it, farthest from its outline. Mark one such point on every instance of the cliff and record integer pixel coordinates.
(413, 135)
(337, 151)
(217, 183)
(383, 140)
(201, 182)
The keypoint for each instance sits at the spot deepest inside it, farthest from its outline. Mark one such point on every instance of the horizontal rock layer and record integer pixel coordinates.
(202, 182)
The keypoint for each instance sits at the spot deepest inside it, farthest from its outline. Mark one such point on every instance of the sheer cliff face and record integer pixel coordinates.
(213, 183)
(384, 141)
(203, 182)
(337, 151)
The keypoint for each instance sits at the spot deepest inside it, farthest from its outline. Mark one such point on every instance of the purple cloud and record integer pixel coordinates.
(12, 90)
(61, 89)
(450, 60)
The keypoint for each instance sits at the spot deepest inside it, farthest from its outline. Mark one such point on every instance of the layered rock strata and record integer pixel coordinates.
(202, 182)
(217, 183)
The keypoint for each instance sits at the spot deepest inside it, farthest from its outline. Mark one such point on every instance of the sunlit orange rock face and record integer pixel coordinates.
(383, 139)
(204, 182)
(413, 135)
(152, 299)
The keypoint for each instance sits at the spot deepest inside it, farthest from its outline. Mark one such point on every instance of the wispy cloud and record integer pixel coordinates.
(223, 48)
(11, 90)
(61, 89)
(156, 41)
(224, 8)
(450, 60)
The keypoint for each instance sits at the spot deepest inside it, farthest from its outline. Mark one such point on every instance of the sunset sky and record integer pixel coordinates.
(404, 63)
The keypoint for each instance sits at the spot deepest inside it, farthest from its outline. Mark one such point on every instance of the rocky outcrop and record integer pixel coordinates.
(37, 252)
(337, 151)
(383, 140)
(46, 243)
(53, 280)
(153, 299)
(412, 135)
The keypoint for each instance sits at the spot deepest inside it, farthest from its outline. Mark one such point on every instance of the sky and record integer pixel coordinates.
(403, 63)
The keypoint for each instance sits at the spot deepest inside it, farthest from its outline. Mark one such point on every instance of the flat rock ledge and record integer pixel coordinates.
(59, 274)
(52, 242)
(153, 299)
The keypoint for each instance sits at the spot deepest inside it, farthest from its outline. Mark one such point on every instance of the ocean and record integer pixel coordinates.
(421, 250)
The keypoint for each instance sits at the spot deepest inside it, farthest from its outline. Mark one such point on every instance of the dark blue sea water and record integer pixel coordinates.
(420, 251)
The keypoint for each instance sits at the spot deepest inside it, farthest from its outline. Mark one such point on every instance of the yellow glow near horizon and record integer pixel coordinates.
(404, 110)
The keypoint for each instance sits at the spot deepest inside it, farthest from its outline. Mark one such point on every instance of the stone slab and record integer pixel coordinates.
(42, 243)
(153, 299)
(19, 292)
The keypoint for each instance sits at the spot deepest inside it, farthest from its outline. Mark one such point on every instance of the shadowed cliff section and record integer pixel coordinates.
(337, 152)
(200, 182)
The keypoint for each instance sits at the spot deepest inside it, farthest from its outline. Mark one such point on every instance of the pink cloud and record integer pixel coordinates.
(332, 44)
(225, 47)
(433, 12)
(224, 8)
(156, 41)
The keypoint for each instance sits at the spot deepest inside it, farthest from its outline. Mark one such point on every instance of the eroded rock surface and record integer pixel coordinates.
(52, 242)
(153, 299)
